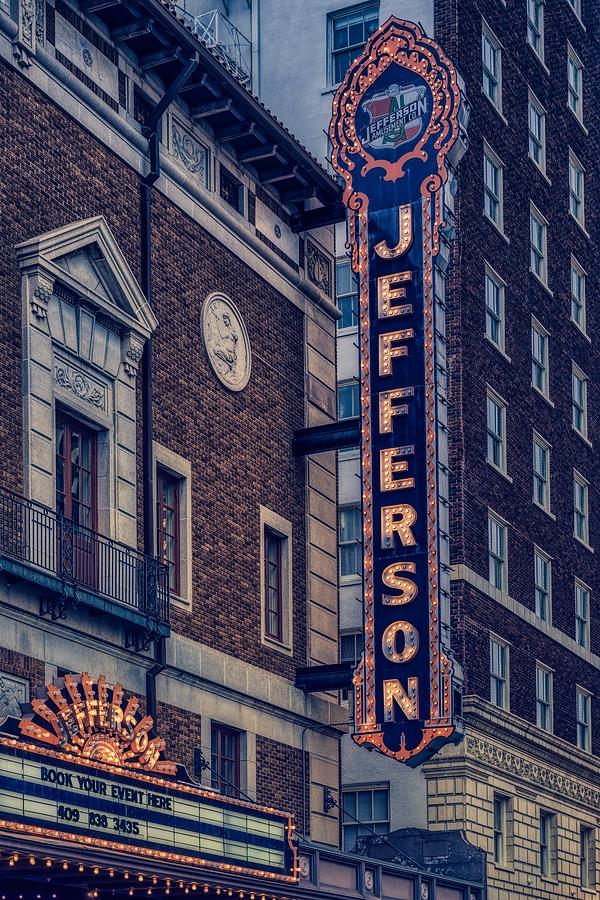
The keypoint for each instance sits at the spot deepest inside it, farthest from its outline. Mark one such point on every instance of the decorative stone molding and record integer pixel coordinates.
(226, 341)
(318, 267)
(190, 152)
(41, 291)
(84, 388)
(24, 43)
(531, 772)
(132, 350)
(13, 692)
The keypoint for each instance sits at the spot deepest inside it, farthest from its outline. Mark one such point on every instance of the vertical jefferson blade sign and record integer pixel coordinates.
(395, 117)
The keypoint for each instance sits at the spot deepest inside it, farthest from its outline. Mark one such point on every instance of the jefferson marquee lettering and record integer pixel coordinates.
(395, 117)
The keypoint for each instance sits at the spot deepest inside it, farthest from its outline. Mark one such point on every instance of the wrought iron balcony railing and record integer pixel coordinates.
(87, 564)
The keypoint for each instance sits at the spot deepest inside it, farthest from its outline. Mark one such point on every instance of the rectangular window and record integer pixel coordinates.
(497, 540)
(346, 286)
(493, 174)
(491, 54)
(349, 30)
(499, 673)
(348, 399)
(579, 400)
(76, 475)
(539, 357)
(496, 431)
(225, 760)
(371, 807)
(274, 548)
(500, 829)
(231, 190)
(494, 307)
(576, 189)
(535, 26)
(587, 874)
(543, 697)
(584, 720)
(537, 132)
(543, 585)
(168, 526)
(547, 844)
(541, 472)
(581, 508)
(351, 648)
(538, 238)
(350, 541)
(578, 279)
(582, 614)
(575, 83)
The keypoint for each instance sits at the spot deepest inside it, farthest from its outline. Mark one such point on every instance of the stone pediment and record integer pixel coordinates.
(85, 257)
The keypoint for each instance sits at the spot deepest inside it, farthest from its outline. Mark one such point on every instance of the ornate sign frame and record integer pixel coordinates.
(395, 118)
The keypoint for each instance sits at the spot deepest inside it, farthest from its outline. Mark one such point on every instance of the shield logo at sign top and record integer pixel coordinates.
(394, 112)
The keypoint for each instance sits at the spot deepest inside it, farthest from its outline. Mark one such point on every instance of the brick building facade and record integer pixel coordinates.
(523, 407)
(241, 327)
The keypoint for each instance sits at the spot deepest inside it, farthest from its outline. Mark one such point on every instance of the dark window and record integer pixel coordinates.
(231, 189)
(349, 32)
(76, 471)
(167, 524)
(225, 760)
(274, 584)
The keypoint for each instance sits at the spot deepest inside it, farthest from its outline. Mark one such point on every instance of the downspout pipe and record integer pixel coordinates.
(151, 131)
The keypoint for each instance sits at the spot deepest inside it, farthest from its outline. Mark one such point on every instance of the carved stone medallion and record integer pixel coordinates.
(226, 341)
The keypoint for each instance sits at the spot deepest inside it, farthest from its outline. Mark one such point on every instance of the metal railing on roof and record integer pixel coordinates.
(224, 39)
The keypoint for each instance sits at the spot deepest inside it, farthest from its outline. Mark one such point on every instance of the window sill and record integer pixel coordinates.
(582, 331)
(503, 867)
(494, 107)
(496, 227)
(583, 543)
(498, 349)
(585, 439)
(539, 58)
(346, 580)
(544, 510)
(273, 644)
(542, 395)
(579, 121)
(540, 171)
(581, 227)
(499, 471)
(181, 602)
(578, 17)
(539, 281)
(350, 329)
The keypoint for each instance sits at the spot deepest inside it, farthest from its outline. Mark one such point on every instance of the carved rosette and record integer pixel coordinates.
(132, 349)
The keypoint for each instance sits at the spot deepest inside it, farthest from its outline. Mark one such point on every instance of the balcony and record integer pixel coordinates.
(72, 564)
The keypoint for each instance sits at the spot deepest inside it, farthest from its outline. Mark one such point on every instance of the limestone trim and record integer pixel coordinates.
(181, 468)
(464, 573)
(523, 739)
(85, 322)
(283, 529)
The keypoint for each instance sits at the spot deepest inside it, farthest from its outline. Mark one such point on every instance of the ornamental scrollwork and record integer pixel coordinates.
(534, 773)
(189, 151)
(77, 383)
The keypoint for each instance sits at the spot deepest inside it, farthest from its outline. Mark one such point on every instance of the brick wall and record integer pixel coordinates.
(474, 362)
(14, 663)
(279, 779)
(184, 731)
(238, 444)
